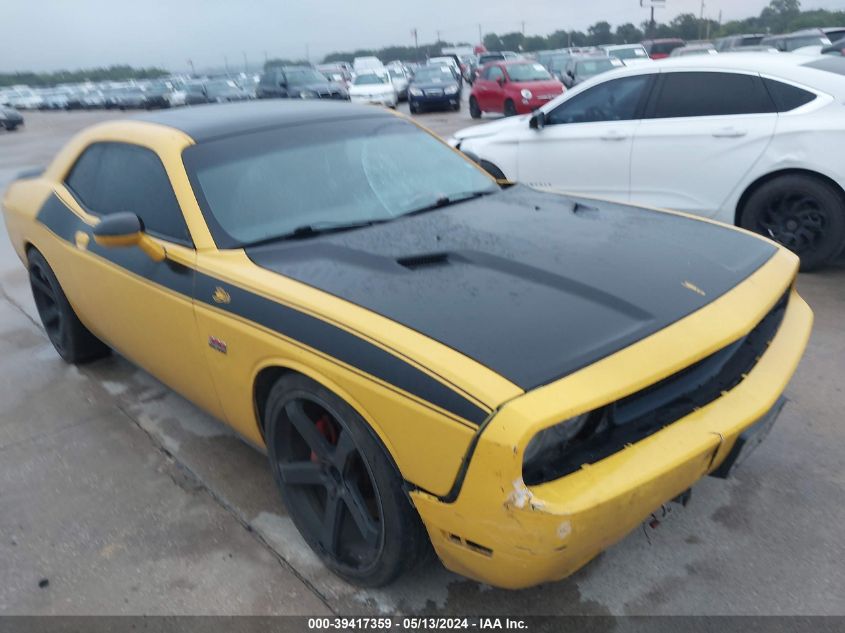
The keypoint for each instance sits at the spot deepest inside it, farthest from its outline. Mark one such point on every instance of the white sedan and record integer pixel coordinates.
(374, 87)
(749, 139)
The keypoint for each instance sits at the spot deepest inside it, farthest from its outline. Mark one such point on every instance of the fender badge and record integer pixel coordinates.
(221, 296)
(216, 344)
(691, 286)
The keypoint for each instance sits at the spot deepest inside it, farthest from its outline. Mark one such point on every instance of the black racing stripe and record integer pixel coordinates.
(311, 331)
(339, 344)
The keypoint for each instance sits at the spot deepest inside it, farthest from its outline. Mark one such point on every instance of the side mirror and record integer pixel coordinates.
(501, 81)
(126, 229)
(538, 120)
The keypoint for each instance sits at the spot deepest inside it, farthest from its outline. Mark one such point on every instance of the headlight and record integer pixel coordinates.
(416, 92)
(526, 94)
(550, 441)
(451, 90)
(307, 94)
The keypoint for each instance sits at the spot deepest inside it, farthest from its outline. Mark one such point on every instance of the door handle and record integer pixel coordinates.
(729, 132)
(614, 136)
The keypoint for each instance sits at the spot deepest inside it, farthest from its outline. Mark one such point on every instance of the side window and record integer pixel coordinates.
(615, 100)
(494, 73)
(693, 94)
(84, 177)
(113, 177)
(787, 97)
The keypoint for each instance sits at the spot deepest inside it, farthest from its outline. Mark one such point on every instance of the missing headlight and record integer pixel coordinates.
(547, 449)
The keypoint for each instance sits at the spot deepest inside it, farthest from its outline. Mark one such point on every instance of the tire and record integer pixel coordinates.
(414, 109)
(340, 472)
(474, 110)
(72, 340)
(456, 107)
(510, 108)
(803, 213)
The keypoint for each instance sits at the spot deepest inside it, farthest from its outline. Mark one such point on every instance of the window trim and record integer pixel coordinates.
(166, 238)
(650, 108)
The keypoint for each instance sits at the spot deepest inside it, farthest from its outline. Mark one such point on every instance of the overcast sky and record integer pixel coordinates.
(69, 34)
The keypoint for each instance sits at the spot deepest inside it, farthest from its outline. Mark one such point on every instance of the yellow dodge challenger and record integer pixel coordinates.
(427, 356)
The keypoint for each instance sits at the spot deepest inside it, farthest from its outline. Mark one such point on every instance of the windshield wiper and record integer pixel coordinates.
(315, 229)
(445, 201)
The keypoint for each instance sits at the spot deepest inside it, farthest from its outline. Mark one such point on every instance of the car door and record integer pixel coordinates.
(142, 308)
(585, 145)
(701, 133)
(490, 92)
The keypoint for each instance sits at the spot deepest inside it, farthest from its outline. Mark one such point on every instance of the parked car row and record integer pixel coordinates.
(751, 140)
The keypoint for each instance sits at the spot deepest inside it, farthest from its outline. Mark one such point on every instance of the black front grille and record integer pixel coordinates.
(645, 412)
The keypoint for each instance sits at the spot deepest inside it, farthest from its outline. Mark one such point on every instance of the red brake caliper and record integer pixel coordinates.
(324, 426)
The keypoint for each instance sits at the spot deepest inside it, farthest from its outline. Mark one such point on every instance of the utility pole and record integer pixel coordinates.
(480, 37)
(307, 53)
(416, 44)
(226, 64)
(191, 64)
(701, 21)
(523, 28)
(246, 64)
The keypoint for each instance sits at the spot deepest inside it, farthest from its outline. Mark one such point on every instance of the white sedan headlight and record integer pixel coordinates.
(451, 90)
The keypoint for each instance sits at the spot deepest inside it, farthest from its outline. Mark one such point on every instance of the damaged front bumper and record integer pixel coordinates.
(500, 531)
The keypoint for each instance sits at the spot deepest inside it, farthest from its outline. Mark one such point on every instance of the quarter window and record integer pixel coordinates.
(693, 94)
(615, 100)
(787, 97)
(114, 177)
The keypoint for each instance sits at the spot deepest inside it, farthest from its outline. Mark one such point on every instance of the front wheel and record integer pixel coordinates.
(339, 485)
(474, 110)
(805, 214)
(72, 340)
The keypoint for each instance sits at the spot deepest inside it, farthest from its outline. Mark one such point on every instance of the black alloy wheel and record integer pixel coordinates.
(47, 304)
(72, 340)
(339, 487)
(804, 214)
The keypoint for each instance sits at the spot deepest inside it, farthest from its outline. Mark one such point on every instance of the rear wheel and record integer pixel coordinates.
(474, 110)
(72, 340)
(805, 214)
(510, 107)
(340, 488)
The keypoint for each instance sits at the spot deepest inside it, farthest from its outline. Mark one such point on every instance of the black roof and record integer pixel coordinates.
(206, 122)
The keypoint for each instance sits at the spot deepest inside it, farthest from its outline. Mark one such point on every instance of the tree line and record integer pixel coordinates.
(781, 16)
(112, 73)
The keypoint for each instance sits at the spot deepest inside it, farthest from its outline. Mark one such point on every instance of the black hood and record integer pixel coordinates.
(532, 285)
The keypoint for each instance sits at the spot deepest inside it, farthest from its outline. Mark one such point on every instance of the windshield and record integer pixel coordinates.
(437, 74)
(810, 40)
(558, 62)
(304, 76)
(268, 184)
(371, 79)
(219, 87)
(528, 72)
(594, 67)
(628, 53)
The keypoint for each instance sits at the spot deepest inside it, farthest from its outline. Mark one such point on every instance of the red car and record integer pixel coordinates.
(514, 87)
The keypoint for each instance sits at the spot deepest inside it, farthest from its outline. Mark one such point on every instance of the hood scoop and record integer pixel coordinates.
(425, 260)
